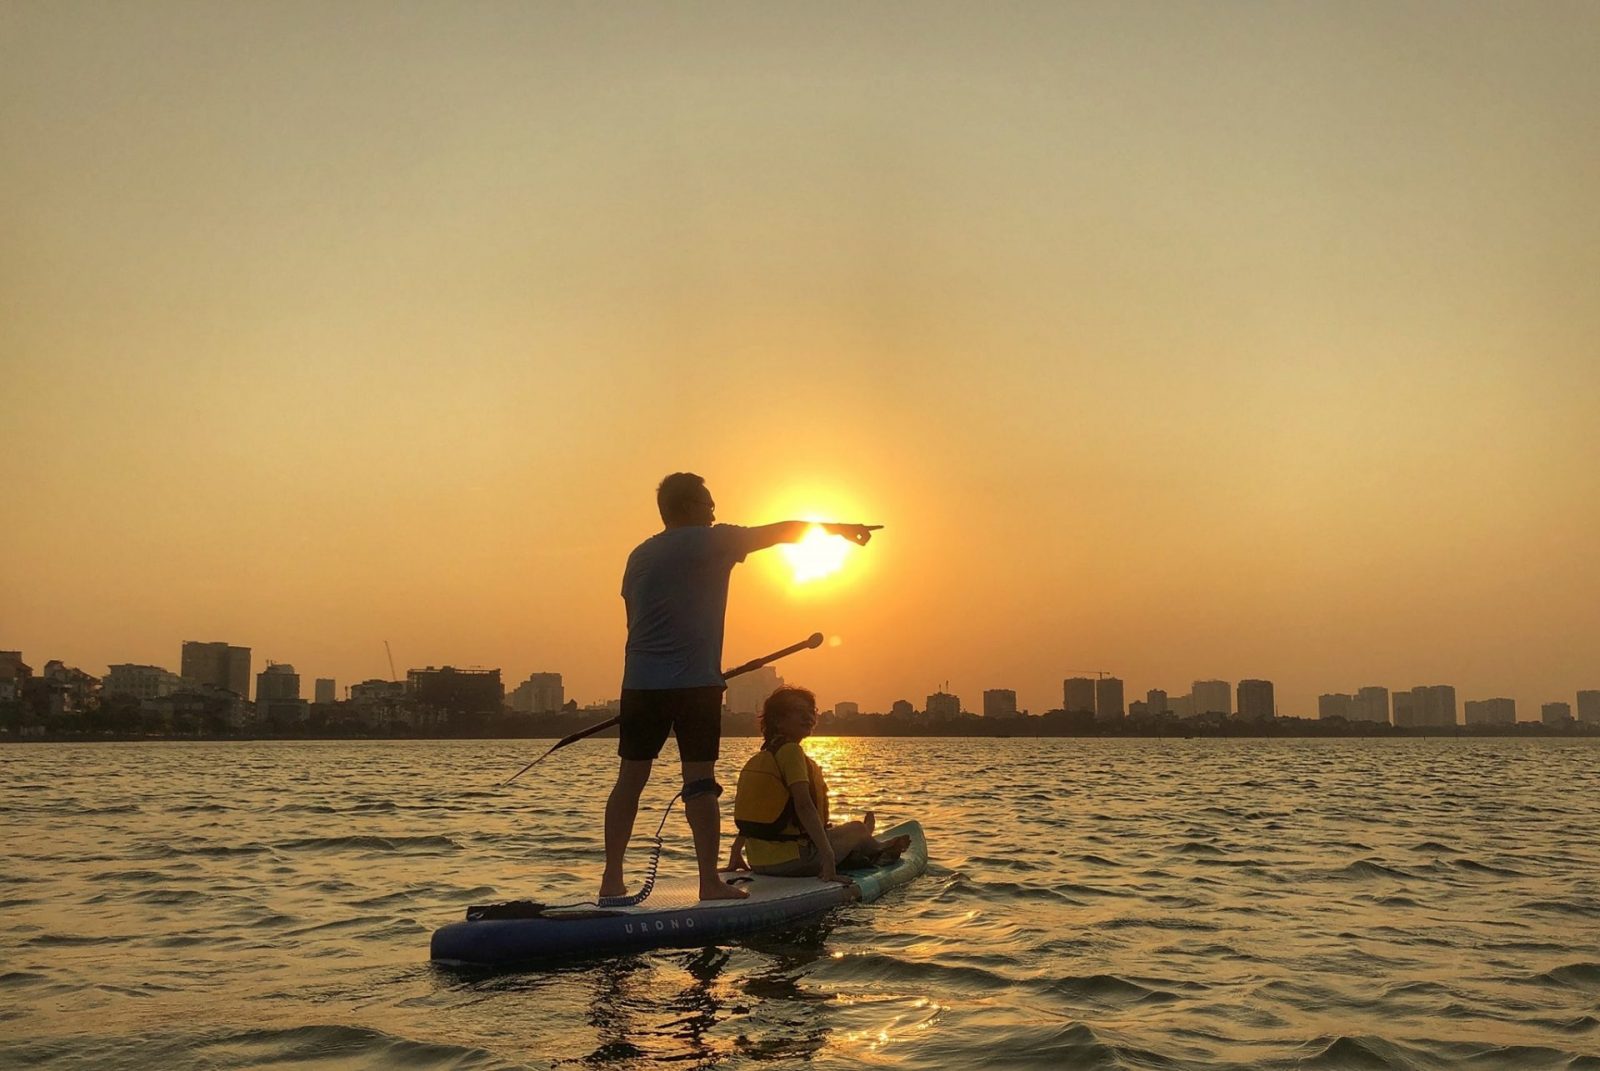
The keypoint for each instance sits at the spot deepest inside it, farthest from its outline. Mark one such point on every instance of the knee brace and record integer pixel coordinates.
(706, 786)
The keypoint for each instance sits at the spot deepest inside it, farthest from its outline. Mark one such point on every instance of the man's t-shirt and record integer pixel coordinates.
(795, 770)
(676, 591)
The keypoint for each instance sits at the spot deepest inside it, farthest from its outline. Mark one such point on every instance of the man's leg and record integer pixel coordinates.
(705, 822)
(622, 807)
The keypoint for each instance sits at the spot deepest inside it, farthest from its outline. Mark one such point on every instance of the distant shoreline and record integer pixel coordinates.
(1530, 732)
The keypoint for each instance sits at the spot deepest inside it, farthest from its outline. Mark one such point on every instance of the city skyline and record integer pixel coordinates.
(1417, 705)
(1230, 342)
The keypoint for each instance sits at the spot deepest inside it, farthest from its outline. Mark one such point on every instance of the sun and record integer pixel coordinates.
(817, 555)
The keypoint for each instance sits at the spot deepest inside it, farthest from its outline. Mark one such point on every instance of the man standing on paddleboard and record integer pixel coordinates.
(676, 591)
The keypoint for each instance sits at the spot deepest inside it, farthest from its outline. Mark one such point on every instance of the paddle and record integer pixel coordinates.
(815, 640)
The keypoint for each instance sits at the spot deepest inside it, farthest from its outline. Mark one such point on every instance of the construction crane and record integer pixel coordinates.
(1099, 673)
(393, 676)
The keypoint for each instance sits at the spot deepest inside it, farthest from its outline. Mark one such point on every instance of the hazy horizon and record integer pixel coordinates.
(1181, 342)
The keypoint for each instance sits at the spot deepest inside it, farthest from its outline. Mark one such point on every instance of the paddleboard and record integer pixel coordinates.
(672, 917)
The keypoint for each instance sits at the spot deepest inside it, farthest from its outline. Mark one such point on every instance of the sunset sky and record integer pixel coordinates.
(1176, 340)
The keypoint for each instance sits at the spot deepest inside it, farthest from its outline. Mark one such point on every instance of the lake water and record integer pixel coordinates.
(1089, 903)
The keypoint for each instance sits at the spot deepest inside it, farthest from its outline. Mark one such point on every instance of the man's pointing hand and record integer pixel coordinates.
(856, 533)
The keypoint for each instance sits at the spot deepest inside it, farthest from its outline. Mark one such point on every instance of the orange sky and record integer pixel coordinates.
(1176, 341)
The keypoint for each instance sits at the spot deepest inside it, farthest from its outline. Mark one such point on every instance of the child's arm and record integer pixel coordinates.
(736, 855)
(805, 810)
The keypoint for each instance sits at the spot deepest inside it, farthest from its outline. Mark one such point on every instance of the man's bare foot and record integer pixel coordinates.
(893, 848)
(869, 820)
(721, 890)
(610, 886)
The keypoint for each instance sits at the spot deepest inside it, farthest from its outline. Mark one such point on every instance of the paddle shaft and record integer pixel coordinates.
(814, 640)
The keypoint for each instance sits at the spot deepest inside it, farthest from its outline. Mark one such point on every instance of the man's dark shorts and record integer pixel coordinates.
(694, 715)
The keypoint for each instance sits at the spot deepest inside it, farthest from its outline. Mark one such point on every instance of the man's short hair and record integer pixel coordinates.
(677, 494)
(788, 698)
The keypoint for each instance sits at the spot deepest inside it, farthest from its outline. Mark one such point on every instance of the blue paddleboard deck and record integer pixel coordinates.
(673, 916)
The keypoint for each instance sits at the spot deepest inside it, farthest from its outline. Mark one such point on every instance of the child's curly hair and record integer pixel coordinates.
(788, 698)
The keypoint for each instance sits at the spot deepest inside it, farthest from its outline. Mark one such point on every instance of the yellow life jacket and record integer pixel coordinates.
(763, 806)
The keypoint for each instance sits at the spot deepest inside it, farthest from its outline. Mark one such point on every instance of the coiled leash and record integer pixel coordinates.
(526, 909)
(693, 790)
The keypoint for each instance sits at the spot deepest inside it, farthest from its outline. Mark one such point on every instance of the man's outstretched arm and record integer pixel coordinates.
(770, 535)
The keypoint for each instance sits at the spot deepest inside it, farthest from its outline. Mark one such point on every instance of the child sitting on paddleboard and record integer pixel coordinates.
(781, 807)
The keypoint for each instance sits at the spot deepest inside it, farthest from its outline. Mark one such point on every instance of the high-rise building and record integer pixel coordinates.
(141, 682)
(1371, 704)
(326, 690)
(1212, 697)
(1407, 712)
(278, 702)
(1555, 713)
(277, 681)
(1077, 695)
(541, 693)
(1335, 705)
(1589, 707)
(463, 691)
(1108, 699)
(217, 664)
(902, 708)
(1436, 704)
(1256, 702)
(1156, 702)
(1491, 711)
(943, 705)
(846, 710)
(748, 691)
(375, 692)
(1426, 705)
(999, 703)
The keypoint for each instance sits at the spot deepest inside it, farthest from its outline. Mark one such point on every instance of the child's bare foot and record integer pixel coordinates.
(721, 890)
(893, 848)
(869, 820)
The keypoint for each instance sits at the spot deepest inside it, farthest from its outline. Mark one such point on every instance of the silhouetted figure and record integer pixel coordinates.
(782, 804)
(676, 591)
